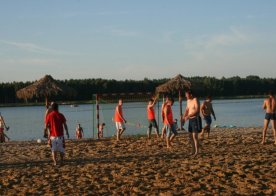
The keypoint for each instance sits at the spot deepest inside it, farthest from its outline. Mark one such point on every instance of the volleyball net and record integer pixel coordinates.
(134, 111)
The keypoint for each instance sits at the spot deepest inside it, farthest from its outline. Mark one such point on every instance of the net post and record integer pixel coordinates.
(98, 114)
(93, 115)
(158, 114)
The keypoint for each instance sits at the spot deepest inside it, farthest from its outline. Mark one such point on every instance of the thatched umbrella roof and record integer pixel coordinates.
(174, 85)
(45, 87)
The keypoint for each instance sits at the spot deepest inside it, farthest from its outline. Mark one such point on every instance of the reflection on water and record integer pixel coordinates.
(26, 123)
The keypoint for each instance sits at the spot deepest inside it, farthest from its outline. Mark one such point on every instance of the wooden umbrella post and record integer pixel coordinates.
(98, 114)
(46, 102)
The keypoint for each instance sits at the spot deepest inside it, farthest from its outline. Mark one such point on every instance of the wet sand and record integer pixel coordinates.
(231, 162)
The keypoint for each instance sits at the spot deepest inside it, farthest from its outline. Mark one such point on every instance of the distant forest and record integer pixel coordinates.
(224, 87)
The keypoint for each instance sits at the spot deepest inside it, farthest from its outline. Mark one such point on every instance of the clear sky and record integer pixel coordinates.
(134, 39)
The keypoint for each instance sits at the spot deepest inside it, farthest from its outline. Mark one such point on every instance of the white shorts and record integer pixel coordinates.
(120, 125)
(57, 144)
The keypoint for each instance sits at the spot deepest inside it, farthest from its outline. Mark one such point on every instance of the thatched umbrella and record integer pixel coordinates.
(175, 85)
(45, 87)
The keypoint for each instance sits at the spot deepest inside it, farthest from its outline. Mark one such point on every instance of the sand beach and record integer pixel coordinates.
(231, 162)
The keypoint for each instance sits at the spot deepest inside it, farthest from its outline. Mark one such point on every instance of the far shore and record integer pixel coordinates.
(24, 104)
(43, 103)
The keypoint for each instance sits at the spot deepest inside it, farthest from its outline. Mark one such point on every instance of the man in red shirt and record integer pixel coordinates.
(151, 118)
(119, 119)
(56, 122)
(169, 122)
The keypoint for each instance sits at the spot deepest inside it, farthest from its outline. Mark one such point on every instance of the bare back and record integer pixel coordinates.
(206, 108)
(270, 105)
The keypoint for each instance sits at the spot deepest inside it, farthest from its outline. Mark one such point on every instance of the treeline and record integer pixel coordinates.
(224, 87)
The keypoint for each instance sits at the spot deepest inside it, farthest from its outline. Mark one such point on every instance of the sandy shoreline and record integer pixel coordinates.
(231, 162)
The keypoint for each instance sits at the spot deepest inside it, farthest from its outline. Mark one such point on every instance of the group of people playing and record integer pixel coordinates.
(55, 122)
(191, 115)
(169, 130)
(193, 112)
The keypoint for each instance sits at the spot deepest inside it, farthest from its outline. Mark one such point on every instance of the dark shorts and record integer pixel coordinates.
(195, 125)
(208, 120)
(153, 123)
(170, 129)
(270, 116)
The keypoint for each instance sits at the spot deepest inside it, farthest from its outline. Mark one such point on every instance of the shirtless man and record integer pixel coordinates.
(119, 119)
(79, 131)
(269, 106)
(192, 114)
(207, 110)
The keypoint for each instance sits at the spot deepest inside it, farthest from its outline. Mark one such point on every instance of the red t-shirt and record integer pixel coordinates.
(169, 117)
(118, 114)
(151, 114)
(55, 120)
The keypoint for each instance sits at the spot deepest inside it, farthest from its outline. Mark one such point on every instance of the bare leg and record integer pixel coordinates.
(163, 132)
(203, 131)
(266, 122)
(202, 134)
(195, 139)
(273, 122)
(54, 155)
(168, 142)
(205, 128)
(172, 138)
(118, 134)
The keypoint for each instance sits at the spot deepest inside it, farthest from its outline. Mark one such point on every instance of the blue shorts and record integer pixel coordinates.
(170, 129)
(195, 125)
(270, 116)
(208, 120)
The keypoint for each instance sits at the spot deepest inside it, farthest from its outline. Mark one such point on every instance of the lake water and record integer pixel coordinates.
(26, 123)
